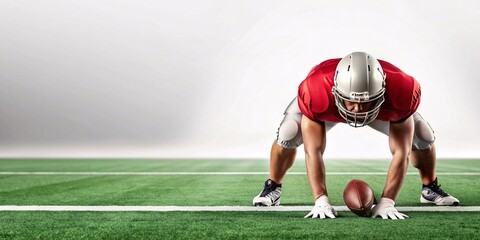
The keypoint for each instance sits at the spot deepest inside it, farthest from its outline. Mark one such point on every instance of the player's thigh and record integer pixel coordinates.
(423, 137)
(289, 134)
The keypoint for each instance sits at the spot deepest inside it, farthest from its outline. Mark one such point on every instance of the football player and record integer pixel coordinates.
(358, 90)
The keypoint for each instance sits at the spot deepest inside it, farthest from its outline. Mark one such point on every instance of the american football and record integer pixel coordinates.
(359, 198)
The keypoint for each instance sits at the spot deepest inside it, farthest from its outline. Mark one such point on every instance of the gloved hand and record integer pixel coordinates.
(385, 209)
(322, 209)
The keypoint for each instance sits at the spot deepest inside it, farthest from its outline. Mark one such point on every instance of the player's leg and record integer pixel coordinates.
(424, 159)
(282, 155)
(284, 150)
(281, 159)
(423, 150)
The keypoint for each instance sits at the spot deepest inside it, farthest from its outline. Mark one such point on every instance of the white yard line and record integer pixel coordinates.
(223, 173)
(219, 208)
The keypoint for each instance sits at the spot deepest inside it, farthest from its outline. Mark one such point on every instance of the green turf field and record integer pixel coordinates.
(217, 190)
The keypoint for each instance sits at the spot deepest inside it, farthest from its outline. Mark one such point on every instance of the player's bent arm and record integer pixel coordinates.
(314, 140)
(400, 141)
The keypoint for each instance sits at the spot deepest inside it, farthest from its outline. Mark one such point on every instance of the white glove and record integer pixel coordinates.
(322, 209)
(385, 209)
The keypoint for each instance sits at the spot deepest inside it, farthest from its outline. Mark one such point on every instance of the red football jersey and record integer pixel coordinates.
(316, 100)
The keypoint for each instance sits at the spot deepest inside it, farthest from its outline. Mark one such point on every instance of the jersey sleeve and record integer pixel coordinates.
(304, 100)
(315, 92)
(313, 99)
(415, 102)
(403, 94)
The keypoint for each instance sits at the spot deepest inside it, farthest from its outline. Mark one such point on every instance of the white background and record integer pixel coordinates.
(211, 78)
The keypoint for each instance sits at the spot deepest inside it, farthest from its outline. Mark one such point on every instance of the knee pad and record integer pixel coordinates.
(289, 134)
(424, 136)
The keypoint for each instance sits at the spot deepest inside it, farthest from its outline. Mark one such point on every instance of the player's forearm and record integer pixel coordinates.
(316, 173)
(396, 175)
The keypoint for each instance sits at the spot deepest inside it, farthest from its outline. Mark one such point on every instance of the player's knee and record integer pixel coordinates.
(424, 136)
(289, 134)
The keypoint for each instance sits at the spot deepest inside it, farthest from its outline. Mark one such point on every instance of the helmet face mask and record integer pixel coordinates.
(359, 119)
(359, 78)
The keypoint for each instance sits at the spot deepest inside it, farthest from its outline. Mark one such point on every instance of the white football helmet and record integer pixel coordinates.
(359, 78)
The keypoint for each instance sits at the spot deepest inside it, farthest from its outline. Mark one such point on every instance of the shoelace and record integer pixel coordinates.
(267, 191)
(438, 190)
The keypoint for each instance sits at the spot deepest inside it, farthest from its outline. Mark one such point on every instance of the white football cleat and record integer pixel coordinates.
(434, 194)
(270, 195)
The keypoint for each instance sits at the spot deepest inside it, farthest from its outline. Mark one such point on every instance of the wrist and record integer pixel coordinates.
(385, 200)
(322, 200)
